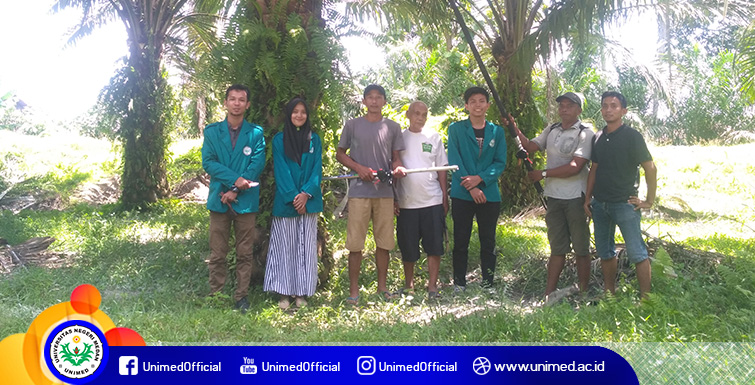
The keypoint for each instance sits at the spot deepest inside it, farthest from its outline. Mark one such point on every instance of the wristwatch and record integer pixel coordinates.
(235, 189)
(543, 173)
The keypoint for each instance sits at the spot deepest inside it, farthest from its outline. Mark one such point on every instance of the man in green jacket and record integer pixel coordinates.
(233, 154)
(478, 147)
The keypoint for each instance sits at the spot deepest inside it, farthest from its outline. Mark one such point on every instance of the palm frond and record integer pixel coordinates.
(94, 15)
(402, 15)
(744, 62)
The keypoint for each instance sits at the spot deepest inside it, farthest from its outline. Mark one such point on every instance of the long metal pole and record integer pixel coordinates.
(408, 171)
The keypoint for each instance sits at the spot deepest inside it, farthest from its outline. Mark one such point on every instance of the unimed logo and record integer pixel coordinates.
(128, 365)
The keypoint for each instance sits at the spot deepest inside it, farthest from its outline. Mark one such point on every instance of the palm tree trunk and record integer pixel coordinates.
(143, 131)
(200, 113)
(515, 84)
(274, 14)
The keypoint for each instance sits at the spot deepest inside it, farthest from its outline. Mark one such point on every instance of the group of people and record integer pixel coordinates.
(577, 190)
(233, 154)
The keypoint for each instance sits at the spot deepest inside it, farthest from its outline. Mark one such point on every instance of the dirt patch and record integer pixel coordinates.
(94, 193)
(99, 193)
(105, 191)
(193, 190)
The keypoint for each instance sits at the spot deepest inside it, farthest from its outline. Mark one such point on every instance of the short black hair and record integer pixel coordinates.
(614, 94)
(474, 91)
(239, 87)
(374, 87)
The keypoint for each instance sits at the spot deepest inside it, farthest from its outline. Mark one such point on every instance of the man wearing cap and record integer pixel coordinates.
(374, 143)
(567, 145)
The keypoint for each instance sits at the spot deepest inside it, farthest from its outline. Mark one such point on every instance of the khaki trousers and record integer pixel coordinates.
(220, 232)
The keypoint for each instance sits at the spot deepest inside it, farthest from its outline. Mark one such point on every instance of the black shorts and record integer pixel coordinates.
(427, 224)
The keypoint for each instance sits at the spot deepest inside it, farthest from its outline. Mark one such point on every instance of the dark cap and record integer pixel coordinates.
(374, 87)
(571, 96)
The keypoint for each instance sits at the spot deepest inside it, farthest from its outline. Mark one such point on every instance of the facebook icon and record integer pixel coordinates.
(128, 365)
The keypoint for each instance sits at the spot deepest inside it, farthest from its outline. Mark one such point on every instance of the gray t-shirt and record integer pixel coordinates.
(561, 146)
(371, 144)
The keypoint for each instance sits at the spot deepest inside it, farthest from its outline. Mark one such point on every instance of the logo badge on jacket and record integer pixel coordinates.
(247, 151)
(492, 142)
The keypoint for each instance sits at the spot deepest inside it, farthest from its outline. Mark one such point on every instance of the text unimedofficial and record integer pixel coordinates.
(306, 366)
(187, 366)
(422, 366)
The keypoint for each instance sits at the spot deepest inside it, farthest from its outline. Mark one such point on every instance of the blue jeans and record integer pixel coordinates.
(606, 217)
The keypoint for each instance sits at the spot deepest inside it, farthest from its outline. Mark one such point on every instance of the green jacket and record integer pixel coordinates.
(464, 152)
(225, 164)
(291, 178)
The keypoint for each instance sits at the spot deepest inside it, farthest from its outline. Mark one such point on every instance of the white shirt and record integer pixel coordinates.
(421, 189)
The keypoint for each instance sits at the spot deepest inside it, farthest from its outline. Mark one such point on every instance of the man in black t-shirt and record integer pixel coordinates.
(612, 191)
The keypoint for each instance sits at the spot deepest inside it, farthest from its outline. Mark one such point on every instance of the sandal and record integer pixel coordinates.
(301, 302)
(353, 301)
(284, 303)
(388, 296)
(406, 292)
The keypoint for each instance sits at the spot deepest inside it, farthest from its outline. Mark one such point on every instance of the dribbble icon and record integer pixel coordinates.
(128, 365)
(366, 365)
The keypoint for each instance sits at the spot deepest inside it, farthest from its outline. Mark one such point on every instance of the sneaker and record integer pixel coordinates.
(242, 305)
(459, 289)
(301, 302)
(284, 303)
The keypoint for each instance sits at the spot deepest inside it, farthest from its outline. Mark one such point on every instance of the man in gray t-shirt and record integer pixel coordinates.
(371, 144)
(374, 143)
(567, 145)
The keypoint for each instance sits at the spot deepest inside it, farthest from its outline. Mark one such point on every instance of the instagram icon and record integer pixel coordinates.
(366, 365)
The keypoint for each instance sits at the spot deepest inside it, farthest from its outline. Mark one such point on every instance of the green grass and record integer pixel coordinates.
(151, 272)
(150, 269)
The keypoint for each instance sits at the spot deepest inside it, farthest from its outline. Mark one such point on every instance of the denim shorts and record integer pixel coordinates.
(606, 216)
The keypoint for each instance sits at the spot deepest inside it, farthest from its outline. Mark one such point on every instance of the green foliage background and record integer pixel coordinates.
(279, 62)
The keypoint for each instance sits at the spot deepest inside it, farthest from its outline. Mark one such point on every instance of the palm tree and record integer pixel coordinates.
(155, 28)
